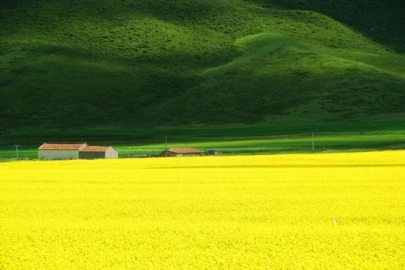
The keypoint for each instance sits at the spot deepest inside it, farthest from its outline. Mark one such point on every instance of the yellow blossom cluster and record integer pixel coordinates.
(319, 211)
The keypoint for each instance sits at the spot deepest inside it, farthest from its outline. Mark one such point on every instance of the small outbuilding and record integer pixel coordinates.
(181, 152)
(94, 152)
(214, 153)
(52, 151)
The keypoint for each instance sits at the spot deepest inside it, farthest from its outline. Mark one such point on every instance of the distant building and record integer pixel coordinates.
(213, 153)
(181, 152)
(52, 151)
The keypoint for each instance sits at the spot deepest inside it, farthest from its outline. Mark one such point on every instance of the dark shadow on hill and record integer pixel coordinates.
(382, 21)
(72, 95)
(80, 88)
(73, 91)
(75, 95)
(225, 99)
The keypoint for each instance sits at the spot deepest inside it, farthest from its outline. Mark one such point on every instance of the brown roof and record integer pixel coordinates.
(95, 149)
(185, 151)
(62, 146)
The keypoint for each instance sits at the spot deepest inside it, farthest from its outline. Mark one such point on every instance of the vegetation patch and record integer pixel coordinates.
(94, 63)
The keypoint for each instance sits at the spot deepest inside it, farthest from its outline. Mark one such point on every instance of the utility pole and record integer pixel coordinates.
(16, 149)
(313, 143)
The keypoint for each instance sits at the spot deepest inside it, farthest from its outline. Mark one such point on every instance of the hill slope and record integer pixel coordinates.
(88, 63)
(279, 77)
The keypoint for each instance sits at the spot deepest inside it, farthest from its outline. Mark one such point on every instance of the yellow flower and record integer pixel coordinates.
(326, 211)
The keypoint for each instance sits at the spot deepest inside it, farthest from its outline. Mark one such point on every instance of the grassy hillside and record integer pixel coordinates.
(73, 64)
(285, 80)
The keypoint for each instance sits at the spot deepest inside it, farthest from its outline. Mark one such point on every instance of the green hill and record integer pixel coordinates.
(73, 64)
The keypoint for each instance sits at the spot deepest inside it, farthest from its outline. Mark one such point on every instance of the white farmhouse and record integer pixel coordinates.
(52, 151)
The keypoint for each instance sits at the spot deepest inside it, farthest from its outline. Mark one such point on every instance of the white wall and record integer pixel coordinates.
(58, 154)
(111, 153)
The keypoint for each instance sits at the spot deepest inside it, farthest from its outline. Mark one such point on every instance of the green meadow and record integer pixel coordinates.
(229, 140)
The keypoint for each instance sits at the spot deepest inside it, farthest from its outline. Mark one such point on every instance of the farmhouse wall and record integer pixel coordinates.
(58, 154)
(167, 153)
(111, 153)
(91, 155)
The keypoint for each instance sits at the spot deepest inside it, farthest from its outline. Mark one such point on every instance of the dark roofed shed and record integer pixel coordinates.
(180, 152)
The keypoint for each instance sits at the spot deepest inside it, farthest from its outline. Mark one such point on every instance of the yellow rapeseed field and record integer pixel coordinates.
(319, 211)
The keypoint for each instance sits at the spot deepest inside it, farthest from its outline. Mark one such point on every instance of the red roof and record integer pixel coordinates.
(185, 151)
(62, 146)
(95, 149)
